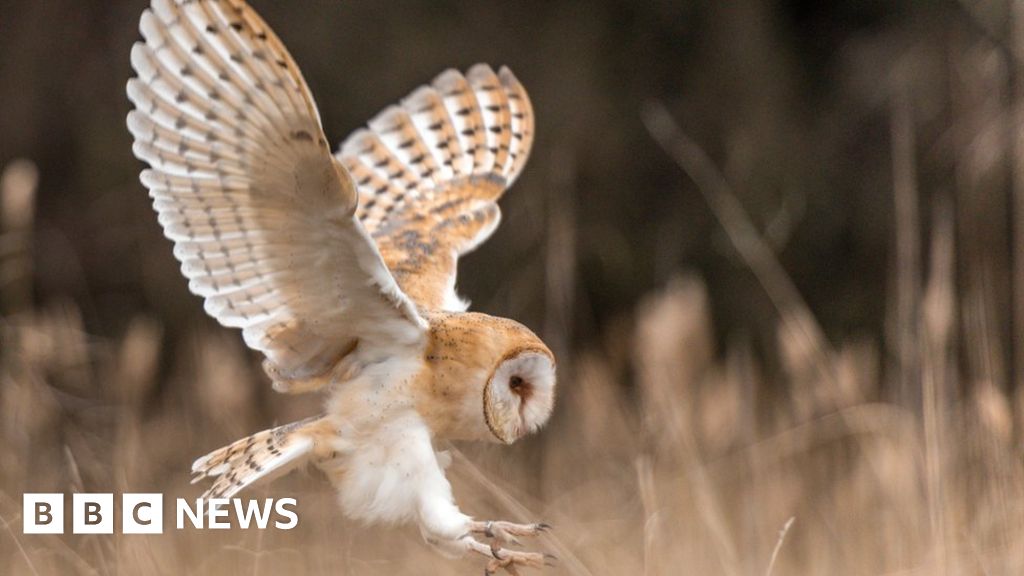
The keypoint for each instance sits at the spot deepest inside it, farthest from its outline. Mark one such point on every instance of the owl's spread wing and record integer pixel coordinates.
(261, 214)
(431, 170)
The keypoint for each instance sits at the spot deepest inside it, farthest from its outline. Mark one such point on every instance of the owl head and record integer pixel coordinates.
(480, 361)
(520, 393)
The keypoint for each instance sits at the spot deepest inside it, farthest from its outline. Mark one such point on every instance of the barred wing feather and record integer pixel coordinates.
(261, 215)
(431, 170)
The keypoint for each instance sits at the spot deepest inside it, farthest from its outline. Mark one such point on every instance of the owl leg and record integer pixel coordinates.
(441, 522)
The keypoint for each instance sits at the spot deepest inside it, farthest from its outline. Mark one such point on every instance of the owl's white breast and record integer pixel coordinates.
(377, 452)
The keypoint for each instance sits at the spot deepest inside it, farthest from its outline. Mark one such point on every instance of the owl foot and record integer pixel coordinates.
(507, 532)
(509, 560)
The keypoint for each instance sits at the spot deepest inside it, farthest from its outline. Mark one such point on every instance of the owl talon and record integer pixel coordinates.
(510, 568)
(508, 532)
(504, 559)
(493, 566)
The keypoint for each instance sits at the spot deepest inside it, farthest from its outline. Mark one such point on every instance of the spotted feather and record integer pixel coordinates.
(430, 171)
(262, 456)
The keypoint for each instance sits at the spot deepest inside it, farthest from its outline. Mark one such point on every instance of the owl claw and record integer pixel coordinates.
(491, 569)
(504, 559)
(508, 532)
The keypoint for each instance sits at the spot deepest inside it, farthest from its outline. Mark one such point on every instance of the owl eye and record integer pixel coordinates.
(516, 383)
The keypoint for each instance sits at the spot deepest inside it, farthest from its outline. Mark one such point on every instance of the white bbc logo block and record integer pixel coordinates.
(93, 514)
(142, 514)
(43, 514)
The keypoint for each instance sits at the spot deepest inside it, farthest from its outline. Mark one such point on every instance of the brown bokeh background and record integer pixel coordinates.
(778, 248)
(782, 95)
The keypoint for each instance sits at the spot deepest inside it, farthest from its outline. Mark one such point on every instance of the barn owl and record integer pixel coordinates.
(340, 268)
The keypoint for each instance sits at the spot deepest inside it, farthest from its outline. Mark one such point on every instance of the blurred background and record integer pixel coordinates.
(778, 248)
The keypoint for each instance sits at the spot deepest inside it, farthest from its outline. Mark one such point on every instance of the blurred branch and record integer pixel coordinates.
(780, 226)
(744, 236)
(778, 545)
(560, 256)
(649, 499)
(998, 39)
(908, 250)
(21, 549)
(1016, 145)
(934, 344)
(18, 184)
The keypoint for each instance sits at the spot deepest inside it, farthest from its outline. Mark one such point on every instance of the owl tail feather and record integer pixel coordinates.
(262, 456)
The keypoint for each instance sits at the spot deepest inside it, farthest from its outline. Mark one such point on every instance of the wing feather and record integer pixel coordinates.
(262, 216)
(431, 170)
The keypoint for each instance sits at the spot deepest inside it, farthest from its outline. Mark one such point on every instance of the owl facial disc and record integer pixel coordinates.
(520, 395)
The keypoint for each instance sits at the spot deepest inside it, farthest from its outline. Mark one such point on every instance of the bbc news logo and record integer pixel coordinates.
(144, 513)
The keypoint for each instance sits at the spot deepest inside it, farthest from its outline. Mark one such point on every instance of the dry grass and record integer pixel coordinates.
(695, 466)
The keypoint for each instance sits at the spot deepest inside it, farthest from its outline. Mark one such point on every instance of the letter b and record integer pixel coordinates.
(43, 513)
(93, 514)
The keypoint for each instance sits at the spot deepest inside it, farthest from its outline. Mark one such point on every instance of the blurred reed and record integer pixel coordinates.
(18, 183)
(695, 468)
